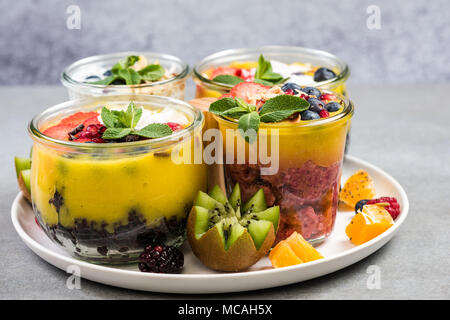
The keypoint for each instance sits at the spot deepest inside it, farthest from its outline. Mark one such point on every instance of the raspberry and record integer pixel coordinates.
(161, 259)
(393, 207)
(324, 113)
(327, 96)
(289, 92)
(174, 126)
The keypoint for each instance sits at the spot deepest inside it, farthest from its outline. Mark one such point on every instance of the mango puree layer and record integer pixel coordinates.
(106, 190)
(322, 144)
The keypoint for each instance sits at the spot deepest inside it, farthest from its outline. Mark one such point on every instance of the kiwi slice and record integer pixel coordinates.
(23, 166)
(228, 236)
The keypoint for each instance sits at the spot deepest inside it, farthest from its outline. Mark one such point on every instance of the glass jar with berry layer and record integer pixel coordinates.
(299, 171)
(104, 201)
(126, 73)
(303, 66)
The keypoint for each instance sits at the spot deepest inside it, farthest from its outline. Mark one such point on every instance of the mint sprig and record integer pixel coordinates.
(228, 79)
(275, 109)
(264, 74)
(122, 73)
(120, 123)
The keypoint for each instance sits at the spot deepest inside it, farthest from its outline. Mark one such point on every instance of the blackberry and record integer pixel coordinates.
(161, 259)
(360, 204)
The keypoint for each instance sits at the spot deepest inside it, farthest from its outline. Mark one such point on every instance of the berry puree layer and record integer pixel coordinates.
(306, 128)
(103, 181)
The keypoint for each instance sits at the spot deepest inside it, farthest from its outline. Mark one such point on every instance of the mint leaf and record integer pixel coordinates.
(264, 74)
(235, 112)
(152, 72)
(263, 82)
(116, 133)
(130, 76)
(281, 107)
(228, 79)
(108, 118)
(220, 106)
(154, 130)
(106, 81)
(249, 121)
(131, 60)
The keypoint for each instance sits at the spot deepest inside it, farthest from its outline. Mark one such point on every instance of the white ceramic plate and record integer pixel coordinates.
(338, 251)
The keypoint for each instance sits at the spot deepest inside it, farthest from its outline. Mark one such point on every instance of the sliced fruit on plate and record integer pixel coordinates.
(293, 250)
(359, 186)
(24, 183)
(23, 166)
(227, 236)
(372, 221)
(302, 248)
(283, 256)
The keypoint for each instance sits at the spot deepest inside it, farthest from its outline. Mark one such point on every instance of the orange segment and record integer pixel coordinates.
(282, 255)
(302, 248)
(358, 187)
(372, 221)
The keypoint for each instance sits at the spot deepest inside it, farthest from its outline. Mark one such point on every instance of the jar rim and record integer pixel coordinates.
(346, 113)
(291, 50)
(198, 119)
(68, 81)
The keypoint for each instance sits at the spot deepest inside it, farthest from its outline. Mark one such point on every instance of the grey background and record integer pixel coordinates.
(391, 129)
(412, 45)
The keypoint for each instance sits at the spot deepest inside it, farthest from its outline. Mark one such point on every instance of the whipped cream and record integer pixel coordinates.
(293, 72)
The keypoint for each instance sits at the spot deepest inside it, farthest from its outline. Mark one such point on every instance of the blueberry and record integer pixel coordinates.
(107, 73)
(311, 91)
(359, 205)
(315, 105)
(323, 74)
(309, 115)
(332, 106)
(92, 78)
(291, 86)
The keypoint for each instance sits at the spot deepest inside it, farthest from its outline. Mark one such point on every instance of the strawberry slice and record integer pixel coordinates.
(246, 90)
(78, 118)
(92, 120)
(225, 95)
(60, 132)
(224, 70)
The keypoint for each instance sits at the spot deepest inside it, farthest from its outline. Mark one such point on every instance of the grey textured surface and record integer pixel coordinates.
(411, 47)
(391, 129)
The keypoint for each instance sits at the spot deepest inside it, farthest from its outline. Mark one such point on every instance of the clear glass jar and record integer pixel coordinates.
(74, 76)
(209, 88)
(306, 183)
(103, 202)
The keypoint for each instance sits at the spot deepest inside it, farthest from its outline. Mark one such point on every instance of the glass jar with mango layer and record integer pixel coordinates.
(104, 202)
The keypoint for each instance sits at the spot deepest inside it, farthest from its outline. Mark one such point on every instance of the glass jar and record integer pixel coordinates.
(306, 169)
(74, 77)
(209, 88)
(104, 202)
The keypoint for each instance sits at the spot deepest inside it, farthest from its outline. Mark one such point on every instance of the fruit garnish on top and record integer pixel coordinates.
(269, 72)
(115, 126)
(252, 103)
(132, 71)
(369, 223)
(227, 235)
